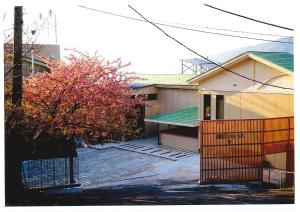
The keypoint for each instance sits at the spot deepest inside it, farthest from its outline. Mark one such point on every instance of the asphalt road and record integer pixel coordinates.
(170, 193)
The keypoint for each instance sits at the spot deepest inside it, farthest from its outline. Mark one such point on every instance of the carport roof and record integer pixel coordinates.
(187, 117)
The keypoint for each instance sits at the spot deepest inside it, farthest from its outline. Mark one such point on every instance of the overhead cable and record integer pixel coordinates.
(226, 69)
(251, 19)
(185, 28)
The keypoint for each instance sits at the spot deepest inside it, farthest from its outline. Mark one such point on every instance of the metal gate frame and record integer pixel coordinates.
(234, 150)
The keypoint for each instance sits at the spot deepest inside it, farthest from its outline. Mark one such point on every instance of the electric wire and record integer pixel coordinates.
(185, 28)
(190, 25)
(251, 19)
(226, 69)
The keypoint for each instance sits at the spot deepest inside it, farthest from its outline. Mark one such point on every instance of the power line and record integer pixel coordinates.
(240, 75)
(190, 25)
(184, 28)
(252, 19)
(231, 30)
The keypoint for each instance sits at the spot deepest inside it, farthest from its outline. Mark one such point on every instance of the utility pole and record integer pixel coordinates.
(17, 65)
(13, 139)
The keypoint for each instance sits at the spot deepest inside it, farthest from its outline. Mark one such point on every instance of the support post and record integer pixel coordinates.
(158, 135)
(262, 149)
(280, 180)
(72, 180)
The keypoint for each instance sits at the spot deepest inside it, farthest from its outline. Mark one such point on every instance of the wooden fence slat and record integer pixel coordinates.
(234, 150)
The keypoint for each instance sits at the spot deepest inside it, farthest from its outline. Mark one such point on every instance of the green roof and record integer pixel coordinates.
(282, 59)
(187, 117)
(164, 78)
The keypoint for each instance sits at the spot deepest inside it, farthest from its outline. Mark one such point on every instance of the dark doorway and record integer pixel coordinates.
(207, 107)
(220, 107)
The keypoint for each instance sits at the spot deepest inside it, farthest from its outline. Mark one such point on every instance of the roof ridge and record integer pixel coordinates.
(288, 61)
(164, 74)
(268, 52)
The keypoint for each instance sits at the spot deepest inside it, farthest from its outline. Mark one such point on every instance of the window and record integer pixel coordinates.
(207, 107)
(147, 97)
(220, 107)
(151, 97)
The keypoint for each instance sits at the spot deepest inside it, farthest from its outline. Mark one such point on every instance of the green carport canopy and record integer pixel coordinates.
(187, 117)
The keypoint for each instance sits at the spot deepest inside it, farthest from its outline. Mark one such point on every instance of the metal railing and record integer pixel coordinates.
(47, 173)
(283, 175)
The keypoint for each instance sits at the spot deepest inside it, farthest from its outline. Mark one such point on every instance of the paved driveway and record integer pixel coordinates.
(109, 165)
(115, 176)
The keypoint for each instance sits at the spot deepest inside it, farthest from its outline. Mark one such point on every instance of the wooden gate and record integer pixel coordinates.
(234, 150)
(279, 138)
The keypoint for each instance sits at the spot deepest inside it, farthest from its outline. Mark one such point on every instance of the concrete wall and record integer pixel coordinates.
(179, 142)
(277, 161)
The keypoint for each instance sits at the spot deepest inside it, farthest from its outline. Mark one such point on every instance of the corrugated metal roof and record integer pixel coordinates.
(187, 117)
(282, 59)
(164, 78)
(137, 85)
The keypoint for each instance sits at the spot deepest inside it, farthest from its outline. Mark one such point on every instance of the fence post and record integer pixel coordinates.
(287, 159)
(41, 176)
(66, 170)
(280, 180)
(294, 182)
(263, 150)
(200, 151)
(53, 169)
(72, 181)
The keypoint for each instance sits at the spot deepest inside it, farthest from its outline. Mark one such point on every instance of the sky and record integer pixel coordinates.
(148, 49)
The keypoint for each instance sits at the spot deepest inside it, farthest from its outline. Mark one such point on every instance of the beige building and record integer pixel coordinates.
(229, 96)
(219, 94)
(164, 93)
(31, 63)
